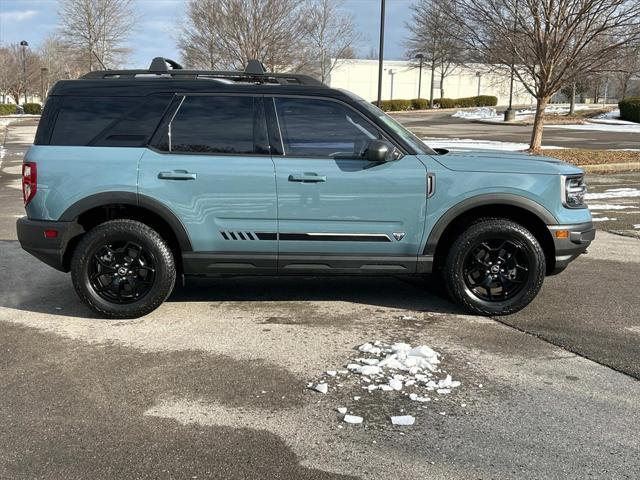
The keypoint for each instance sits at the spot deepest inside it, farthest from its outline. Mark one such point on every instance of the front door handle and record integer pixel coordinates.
(177, 175)
(307, 178)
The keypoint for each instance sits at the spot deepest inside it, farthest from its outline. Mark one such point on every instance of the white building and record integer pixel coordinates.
(400, 81)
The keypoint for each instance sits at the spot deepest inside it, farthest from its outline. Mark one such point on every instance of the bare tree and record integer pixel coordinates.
(12, 73)
(627, 65)
(331, 33)
(434, 35)
(96, 30)
(60, 61)
(228, 33)
(554, 42)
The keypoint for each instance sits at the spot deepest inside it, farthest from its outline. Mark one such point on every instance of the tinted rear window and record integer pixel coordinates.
(102, 121)
(81, 119)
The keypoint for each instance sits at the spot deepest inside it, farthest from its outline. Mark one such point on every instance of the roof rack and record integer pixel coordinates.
(160, 67)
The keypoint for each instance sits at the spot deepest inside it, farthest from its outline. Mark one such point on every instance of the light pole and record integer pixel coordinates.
(392, 73)
(509, 114)
(479, 75)
(43, 73)
(381, 52)
(24, 44)
(421, 58)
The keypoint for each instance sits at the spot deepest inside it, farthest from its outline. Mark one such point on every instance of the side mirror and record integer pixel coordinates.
(380, 151)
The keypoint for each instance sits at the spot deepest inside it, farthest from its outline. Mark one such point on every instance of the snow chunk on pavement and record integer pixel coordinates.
(404, 370)
(403, 420)
(355, 419)
(321, 387)
(395, 384)
(370, 370)
(368, 348)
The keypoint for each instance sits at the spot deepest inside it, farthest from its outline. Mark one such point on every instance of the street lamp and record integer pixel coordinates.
(24, 44)
(479, 75)
(381, 52)
(509, 113)
(421, 58)
(43, 74)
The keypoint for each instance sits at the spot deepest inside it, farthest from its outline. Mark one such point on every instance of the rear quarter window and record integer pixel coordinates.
(81, 119)
(104, 121)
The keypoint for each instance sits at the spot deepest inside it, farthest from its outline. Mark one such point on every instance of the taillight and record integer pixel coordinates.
(29, 181)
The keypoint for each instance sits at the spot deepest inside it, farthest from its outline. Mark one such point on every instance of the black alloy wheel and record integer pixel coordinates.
(495, 267)
(122, 271)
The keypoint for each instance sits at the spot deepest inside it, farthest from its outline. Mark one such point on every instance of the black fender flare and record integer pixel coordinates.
(508, 199)
(135, 200)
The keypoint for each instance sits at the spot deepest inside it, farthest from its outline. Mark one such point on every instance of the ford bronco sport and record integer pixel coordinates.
(139, 176)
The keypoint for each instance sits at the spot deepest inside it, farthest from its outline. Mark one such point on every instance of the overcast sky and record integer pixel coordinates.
(32, 20)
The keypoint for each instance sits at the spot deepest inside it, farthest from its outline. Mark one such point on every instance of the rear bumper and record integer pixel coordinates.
(49, 250)
(579, 237)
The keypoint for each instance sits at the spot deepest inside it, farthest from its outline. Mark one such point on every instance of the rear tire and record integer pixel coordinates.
(495, 267)
(123, 269)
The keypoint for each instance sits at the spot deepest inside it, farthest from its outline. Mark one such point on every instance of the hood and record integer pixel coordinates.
(504, 162)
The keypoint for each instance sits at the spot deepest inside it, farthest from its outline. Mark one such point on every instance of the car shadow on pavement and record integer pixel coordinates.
(407, 293)
(27, 284)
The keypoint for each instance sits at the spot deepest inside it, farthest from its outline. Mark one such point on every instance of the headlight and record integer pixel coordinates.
(574, 189)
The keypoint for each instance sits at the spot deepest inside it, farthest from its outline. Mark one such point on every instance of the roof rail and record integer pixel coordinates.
(255, 67)
(160, 67)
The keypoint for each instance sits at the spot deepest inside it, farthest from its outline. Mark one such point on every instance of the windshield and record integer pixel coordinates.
(418, 145)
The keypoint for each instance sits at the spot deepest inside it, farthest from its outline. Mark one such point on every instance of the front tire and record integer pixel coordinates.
(495, 267)
(123, 269)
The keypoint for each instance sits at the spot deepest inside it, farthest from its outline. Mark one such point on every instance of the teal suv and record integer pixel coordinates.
(137, 177)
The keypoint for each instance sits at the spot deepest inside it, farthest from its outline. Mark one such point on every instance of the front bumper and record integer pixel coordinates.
(570, 246)
(49, 250)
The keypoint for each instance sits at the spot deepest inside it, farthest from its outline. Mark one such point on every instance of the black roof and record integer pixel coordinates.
(255, 72)
(165, 75)
(142, 87)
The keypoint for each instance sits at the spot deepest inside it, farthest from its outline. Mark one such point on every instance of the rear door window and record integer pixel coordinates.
(213, 125)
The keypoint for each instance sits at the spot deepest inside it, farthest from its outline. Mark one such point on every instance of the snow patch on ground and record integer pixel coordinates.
(9, 119)
(637, 225)
(399, 367)
(490, 114)
(614, 193)
(617, 127)
(609, 207)
(480, 113)
(603, 219)
(612, 115)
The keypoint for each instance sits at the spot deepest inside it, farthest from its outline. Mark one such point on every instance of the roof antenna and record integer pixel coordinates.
(98, 58)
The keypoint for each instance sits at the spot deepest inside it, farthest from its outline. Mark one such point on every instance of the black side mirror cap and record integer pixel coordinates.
(380, 151)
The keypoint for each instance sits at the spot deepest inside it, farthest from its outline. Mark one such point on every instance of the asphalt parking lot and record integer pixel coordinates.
(214, 383)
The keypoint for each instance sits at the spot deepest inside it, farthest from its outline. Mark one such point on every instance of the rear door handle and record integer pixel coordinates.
(177, 175)
(307, 178)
